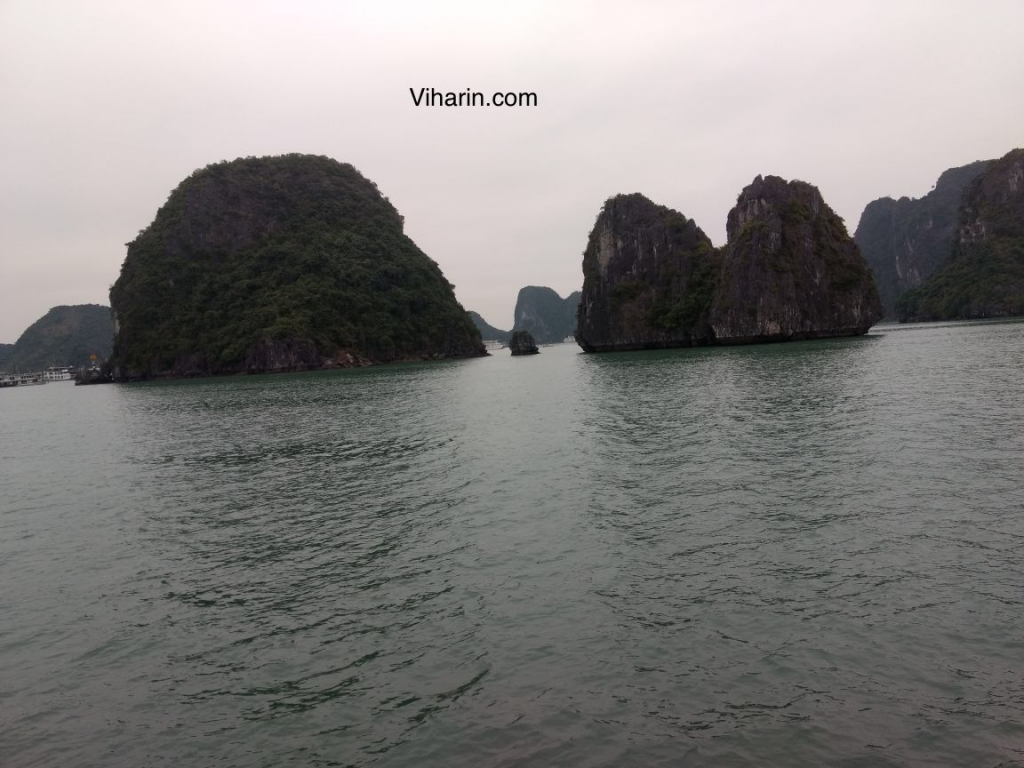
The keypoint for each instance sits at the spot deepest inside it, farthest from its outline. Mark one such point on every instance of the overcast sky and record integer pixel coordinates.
(106, 106)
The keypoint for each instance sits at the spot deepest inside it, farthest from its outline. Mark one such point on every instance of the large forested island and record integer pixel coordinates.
(652, 278)
(280, 263)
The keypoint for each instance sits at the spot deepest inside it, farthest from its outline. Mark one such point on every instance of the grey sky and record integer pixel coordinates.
(106, 106)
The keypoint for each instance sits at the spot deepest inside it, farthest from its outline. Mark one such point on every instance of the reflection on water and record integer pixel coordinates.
(795, 554)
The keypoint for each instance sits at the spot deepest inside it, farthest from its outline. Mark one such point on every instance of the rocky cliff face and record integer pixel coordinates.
(985, 273)
(789, 271)
(66, 335)
(547, 316)
(275, 264)
(648, 277)
(905, 241)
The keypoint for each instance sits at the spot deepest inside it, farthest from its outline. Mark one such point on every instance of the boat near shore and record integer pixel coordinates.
(59, 373)
(21, 379)
(53, 373)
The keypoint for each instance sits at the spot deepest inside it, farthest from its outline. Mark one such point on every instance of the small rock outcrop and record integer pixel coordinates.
(905, 241)
(789, 271)
(984, 276)
(547, 316)
(522, 343)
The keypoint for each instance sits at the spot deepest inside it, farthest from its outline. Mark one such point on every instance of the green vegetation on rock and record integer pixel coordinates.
(280, 263)
(675, 312)
(66, 335)
(986, 281)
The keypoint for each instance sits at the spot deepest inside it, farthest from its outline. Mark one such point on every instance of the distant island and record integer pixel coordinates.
(544, 314)
(905, 241)
(294, 262)
(540, 311)
(984, 275)
(790, 270)
(76, 335)
(956, 253)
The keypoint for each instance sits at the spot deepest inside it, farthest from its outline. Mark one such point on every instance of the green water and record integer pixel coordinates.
(802, 554)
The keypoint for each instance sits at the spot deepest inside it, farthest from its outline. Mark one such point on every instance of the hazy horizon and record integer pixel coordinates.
(112, 104)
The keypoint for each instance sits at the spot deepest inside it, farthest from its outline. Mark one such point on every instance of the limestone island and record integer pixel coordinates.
(652, 278)
(284, 263)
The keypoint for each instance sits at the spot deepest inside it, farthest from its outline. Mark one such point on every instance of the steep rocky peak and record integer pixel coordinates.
(637, 211)
(764, 199)
(627, 207)
(631, 223)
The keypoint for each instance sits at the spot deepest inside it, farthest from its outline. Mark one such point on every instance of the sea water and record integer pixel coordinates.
(794, 554)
